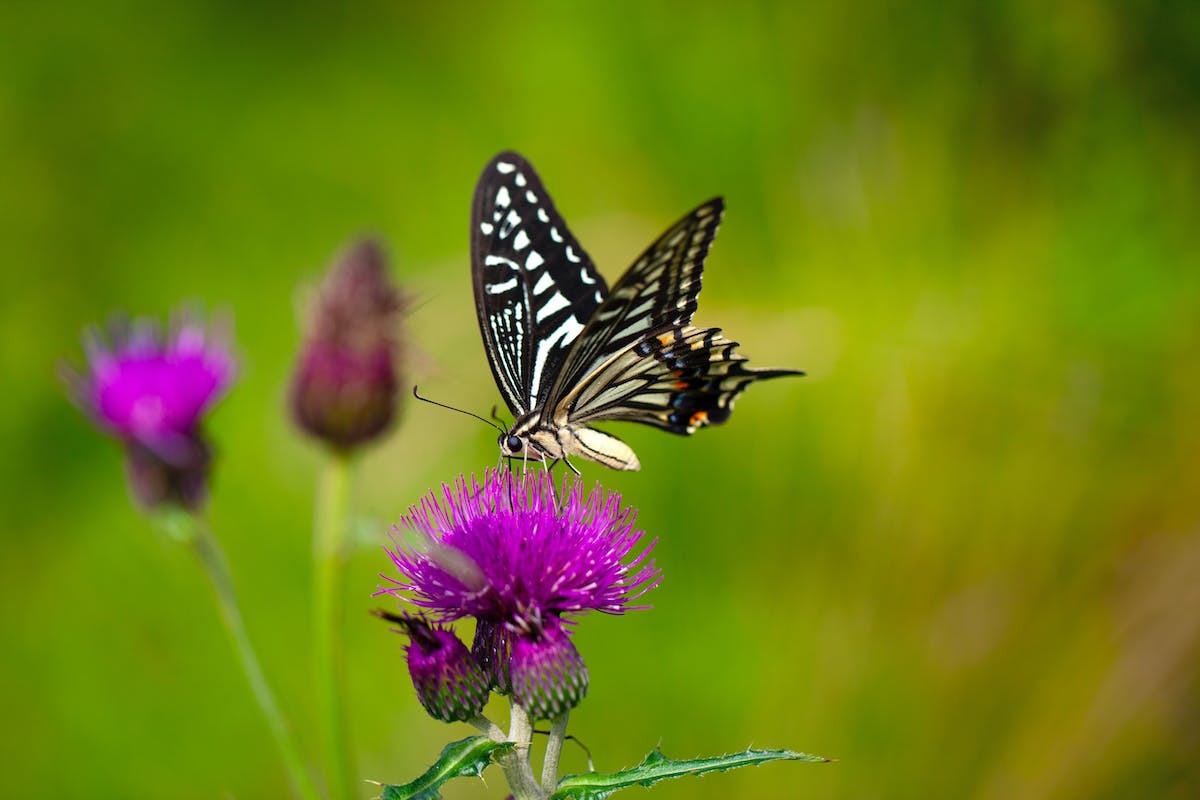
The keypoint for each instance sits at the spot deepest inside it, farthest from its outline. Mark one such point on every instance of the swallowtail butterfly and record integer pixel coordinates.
(566, 351)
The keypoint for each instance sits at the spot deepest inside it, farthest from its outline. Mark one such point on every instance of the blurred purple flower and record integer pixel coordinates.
(345, 386)
(152, 388)
(511, 552)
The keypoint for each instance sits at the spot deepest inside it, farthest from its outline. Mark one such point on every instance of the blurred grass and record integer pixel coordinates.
(962, 556)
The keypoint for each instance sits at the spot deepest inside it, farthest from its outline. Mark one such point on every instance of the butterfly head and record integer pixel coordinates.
(530, 440)
(511, 444)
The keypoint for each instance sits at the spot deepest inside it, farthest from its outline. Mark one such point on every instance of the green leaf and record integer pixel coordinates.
(657, 767)
(465, 758)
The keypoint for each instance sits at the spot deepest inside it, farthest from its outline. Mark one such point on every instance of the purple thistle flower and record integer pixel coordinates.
(511, 552)
(152, 389)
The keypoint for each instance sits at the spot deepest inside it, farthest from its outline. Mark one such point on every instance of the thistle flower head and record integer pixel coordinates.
(449, 683)
(345, 385)
(548, 674)
(152, 388)
(513, 551)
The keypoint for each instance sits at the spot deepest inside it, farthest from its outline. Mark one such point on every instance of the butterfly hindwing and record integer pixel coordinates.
(680, 381)
(656, 294)
(535, 287)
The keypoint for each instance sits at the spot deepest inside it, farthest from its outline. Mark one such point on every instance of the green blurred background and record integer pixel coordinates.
(962, 556)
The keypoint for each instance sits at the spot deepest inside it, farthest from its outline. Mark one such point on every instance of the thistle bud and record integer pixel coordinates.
(449, 682)
(182, 481)
(345, 387)
(548, 674)
(492, 648)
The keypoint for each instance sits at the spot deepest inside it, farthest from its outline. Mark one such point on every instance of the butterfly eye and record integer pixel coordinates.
(514, 444)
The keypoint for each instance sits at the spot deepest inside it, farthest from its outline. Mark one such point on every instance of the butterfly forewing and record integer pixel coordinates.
(656, 294)
(535, 287)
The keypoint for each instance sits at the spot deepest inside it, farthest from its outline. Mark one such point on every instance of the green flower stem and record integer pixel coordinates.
(488, 728)
(208, 550)
(329, 532)
(515, 763)
(558, 732)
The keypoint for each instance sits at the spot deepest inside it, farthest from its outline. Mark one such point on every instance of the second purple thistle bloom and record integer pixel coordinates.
(152, 389)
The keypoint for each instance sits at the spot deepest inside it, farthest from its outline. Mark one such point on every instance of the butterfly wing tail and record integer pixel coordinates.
(707, 376)
(680, 380)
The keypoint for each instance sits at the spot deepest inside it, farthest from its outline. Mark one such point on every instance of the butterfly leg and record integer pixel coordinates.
(554, 493)
(549, 466)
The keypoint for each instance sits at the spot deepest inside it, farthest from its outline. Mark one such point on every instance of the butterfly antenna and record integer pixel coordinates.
(572, 738)
(459, 410)
(586, 751)
(496, 417)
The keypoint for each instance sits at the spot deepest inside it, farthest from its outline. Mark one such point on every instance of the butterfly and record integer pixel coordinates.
(566, 351)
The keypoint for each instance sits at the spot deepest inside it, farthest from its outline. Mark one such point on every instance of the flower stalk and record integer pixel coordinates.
(488, 728)
(216, 567)
(554, 746)
(515, 764)
(329, 531)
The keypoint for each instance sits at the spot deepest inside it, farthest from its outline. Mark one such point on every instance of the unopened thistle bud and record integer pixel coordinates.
(548, 674)
(449, 682)
(492, 649)
(345, 387)
(182, 481)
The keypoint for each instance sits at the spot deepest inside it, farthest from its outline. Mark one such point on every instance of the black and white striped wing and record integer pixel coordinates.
(657, 294)
(681, 380)
(535, 287)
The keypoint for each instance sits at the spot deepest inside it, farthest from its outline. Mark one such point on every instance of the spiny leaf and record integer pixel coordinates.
(657, 767)
(467, 757)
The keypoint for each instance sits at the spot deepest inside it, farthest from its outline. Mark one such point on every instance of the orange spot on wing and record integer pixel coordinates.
(699, 418)
(666, 339)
